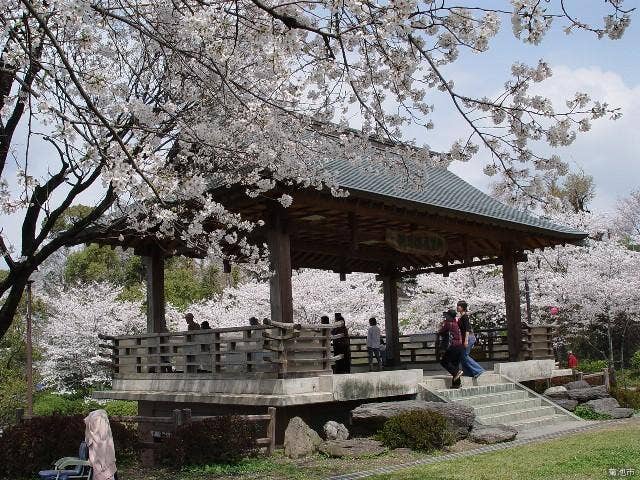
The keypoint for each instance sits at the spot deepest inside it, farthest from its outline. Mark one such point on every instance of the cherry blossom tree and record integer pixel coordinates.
(152, 101)
(69, 339)
(628, 216)
(315, 293)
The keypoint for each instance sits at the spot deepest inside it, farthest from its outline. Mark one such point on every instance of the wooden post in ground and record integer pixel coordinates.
(390, 290)
(178, 418)
(271, 431)
(154, 263)
(512, 301)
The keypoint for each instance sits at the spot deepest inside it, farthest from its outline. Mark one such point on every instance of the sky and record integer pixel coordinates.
(608, 70)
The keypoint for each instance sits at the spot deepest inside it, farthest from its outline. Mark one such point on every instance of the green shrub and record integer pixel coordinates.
(225, 439)
(635, 361)
(12, 396)
(592, 366)
(63, 404)
(627, 398)
(588, 414)
(34, 444)
(121, 408)
(418, 430)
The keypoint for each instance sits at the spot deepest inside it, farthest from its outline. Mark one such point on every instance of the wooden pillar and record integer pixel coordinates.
(155, 292)
(390, 289)
(280, 256)
(512, 301)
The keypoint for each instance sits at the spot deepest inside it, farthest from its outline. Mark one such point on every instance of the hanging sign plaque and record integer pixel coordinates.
(425, 244)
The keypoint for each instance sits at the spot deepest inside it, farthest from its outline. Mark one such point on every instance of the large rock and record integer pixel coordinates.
(492, 434)
(335, 431)
(566, 403)
(609, 406)
(556, 392)
(370, 417)
(299, 439)
(577, 385)
(583, 395)
(353, 448)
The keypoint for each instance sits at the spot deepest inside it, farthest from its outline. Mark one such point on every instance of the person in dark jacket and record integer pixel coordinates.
(450, 333)
(342, 346)
(470, 367)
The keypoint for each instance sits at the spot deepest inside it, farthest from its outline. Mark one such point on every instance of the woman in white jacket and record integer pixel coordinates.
(102, 454)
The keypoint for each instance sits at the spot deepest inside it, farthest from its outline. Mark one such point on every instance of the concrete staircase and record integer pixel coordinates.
(498, 400)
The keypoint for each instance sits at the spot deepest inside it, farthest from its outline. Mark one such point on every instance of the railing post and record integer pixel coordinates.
(177, 419)
(271, 430)
(490, 345)
(186, 415)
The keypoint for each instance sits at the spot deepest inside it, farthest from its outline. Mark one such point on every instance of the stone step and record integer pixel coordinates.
(442, 382)
(492, 398)
(506, 407)
(540, 421)
(455, 393)
(517, 416)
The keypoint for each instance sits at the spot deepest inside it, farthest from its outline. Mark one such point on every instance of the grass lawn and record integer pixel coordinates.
(582, 456)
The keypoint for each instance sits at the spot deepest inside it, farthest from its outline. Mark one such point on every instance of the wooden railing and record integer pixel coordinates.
(278, 350)
(491, 346)
(282, 350)
(151, 430)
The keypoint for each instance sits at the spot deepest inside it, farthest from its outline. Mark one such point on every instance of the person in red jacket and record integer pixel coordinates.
(452, 342)
(572, 360)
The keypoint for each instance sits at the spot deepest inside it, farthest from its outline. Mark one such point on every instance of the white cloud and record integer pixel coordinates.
(610, 150)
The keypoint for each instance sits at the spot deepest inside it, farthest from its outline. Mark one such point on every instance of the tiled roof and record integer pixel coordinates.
(443, 190)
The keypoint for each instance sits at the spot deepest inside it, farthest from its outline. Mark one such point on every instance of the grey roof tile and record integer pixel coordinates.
(443, 190)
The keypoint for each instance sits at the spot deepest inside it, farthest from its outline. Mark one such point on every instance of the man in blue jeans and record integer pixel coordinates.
(469, 366)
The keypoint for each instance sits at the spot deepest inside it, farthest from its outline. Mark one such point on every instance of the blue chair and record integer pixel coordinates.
(70, 468)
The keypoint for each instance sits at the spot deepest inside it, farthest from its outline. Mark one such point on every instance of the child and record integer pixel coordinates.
(373, 343)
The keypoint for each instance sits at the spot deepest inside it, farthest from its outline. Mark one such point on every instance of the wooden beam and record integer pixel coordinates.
(280, 256)
(391, 327)
(353, 230)
(512, 302)
(154, 264)
(369, 253)
(456, 266)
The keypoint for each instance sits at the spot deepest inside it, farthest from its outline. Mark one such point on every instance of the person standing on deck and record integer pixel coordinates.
(373, 343)
(191, 323)
(342, 345)
(470, 367)
(451, 342)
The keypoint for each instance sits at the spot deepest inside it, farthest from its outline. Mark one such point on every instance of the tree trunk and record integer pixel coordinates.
(12, 301)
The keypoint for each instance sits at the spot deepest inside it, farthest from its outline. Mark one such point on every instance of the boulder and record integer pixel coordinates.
(370, 417)
(299, 439)
(353, 448)
(609, 406)
(583, 395)
(492, 434)
(335, 431)
(556, 392)
(577, 385)
(566, 403)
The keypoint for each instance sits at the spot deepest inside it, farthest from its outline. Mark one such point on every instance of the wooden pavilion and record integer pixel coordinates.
(382, 227)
